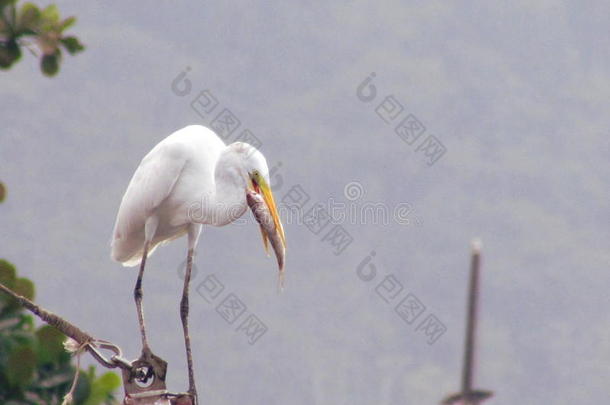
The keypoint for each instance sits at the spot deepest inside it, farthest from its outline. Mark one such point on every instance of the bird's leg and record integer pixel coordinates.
(184, 312)
(137, 293)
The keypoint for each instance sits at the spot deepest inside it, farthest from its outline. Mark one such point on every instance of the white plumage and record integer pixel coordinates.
(181, 173)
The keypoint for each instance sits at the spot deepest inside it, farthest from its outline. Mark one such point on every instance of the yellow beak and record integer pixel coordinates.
(265, 190)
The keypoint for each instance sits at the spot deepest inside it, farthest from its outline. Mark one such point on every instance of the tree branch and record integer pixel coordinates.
(57, 321)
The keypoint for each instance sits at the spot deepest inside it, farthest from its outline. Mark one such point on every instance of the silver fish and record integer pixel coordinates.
(268, 229)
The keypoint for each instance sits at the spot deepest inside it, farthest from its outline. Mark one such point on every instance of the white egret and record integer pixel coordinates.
(189, 179)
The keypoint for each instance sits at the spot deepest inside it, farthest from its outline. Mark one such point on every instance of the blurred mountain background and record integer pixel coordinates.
(518, 94)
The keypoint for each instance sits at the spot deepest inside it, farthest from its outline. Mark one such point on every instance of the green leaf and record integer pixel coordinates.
(4, 3)
(8, 278)
(109, 381)
(50, 345)
(22, 363)
(2, 192)
(7, 56)
(102, 388)
(72, 45)
(29, 18)
(51, 14)
(13, 49)
(25, 288)
(83, 388)
(8, 274)
(67, 23)
(49, 64)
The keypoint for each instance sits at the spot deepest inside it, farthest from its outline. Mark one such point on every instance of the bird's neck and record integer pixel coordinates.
(229, 199)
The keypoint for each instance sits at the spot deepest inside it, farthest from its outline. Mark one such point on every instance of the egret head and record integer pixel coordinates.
(257, 171)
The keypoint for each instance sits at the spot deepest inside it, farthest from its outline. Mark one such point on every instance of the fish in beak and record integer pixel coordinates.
(261, 202)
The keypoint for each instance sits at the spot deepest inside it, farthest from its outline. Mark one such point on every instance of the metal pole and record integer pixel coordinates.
(468, 396)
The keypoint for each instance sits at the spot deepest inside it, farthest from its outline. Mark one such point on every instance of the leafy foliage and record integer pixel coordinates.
(34, 367)
(29, 25)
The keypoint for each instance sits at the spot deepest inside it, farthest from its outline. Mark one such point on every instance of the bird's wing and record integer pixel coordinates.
(151, 183)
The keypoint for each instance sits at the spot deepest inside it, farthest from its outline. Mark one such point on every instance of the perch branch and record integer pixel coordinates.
(57, 321)
(85, 340)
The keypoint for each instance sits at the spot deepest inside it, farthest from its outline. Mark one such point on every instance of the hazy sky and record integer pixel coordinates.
(518, 96)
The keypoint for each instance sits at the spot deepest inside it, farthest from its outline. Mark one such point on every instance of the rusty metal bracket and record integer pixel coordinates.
(144, 383)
